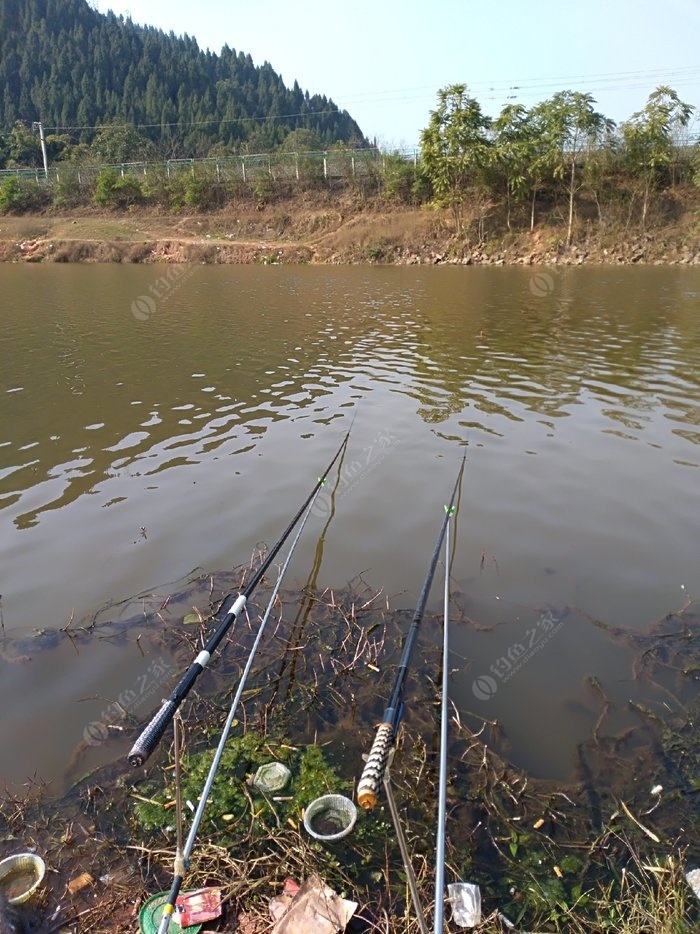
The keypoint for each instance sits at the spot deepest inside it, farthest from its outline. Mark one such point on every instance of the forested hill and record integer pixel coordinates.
(74, 69)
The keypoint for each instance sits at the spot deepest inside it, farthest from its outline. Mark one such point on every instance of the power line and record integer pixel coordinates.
(190, 123)
(689, 72)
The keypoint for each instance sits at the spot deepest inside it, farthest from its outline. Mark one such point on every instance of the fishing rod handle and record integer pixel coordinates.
(150, 737)
(375, 767)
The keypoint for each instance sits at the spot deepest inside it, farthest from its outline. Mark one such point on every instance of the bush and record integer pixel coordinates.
(67, 191)
(204, 192)
(117, 191)
(21, 195)
(399, 179)
(156, 187)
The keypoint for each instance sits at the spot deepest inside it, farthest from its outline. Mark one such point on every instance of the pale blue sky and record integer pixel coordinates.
(385, 60)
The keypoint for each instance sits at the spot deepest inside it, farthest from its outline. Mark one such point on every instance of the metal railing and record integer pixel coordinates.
(278, 166)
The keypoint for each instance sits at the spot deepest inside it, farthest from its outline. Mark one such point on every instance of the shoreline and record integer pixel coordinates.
(533, 845)
(332, 231)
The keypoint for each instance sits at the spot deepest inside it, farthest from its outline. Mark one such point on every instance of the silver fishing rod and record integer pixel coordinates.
(442, 772)
(182, 861)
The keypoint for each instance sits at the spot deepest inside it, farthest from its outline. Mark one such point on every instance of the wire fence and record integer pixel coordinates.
(277, 166)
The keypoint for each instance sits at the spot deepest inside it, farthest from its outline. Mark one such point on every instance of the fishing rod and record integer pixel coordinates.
(369, 784)
(182, 857)
(231, 608)
(442, 773)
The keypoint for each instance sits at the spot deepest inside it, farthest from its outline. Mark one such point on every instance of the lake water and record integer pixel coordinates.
(154, 423)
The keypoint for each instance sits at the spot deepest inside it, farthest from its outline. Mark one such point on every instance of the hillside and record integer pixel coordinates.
(73, 68)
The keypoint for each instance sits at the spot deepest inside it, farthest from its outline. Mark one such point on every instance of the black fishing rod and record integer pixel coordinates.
(182, 856)
(373, 773)
(231, 608)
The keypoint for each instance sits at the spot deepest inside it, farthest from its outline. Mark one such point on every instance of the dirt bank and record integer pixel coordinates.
(339, 229)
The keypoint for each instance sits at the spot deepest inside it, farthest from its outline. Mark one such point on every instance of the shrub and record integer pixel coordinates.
(67, 191)
(117, 191)
(19, 196)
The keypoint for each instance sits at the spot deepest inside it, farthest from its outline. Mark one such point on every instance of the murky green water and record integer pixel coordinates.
(138, 441)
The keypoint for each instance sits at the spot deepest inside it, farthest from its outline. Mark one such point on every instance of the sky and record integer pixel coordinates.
(384, 61)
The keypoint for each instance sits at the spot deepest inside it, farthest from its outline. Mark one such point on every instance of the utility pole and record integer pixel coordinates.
(38, 123)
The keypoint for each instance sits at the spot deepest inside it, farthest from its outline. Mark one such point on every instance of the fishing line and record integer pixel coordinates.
(289, 658)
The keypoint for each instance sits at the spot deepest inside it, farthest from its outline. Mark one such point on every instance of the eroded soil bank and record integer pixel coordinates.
(332, 228)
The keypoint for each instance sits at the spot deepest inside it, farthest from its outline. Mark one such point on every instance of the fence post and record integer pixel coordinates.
(325, 166)
(296, 165)
(243, 167)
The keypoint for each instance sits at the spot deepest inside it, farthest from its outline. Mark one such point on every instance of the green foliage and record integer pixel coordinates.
(57, 146)
(649, 139)
(114, 190)
(375, 252)
(19, 196)
(302, 140)
(262, 188)
(156, 187)
(455, 146)
(23, 147)
(119, 144)
(514, 153)
(569, 129)
(232, 795)
(67, 190)
(649, 133)
(404, 182)
(64, 63)
(11, 197)
(203, 191)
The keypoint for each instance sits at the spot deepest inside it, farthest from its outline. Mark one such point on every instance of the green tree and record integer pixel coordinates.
(117, 144)
(570, 128)
(302, 140)
(23, 147)
(514, 151)
(57, 147)
(455, 147)
(649, 137)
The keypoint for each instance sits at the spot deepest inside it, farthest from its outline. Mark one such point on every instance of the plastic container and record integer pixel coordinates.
(330, 817)
(20, 876)
(272, 777)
